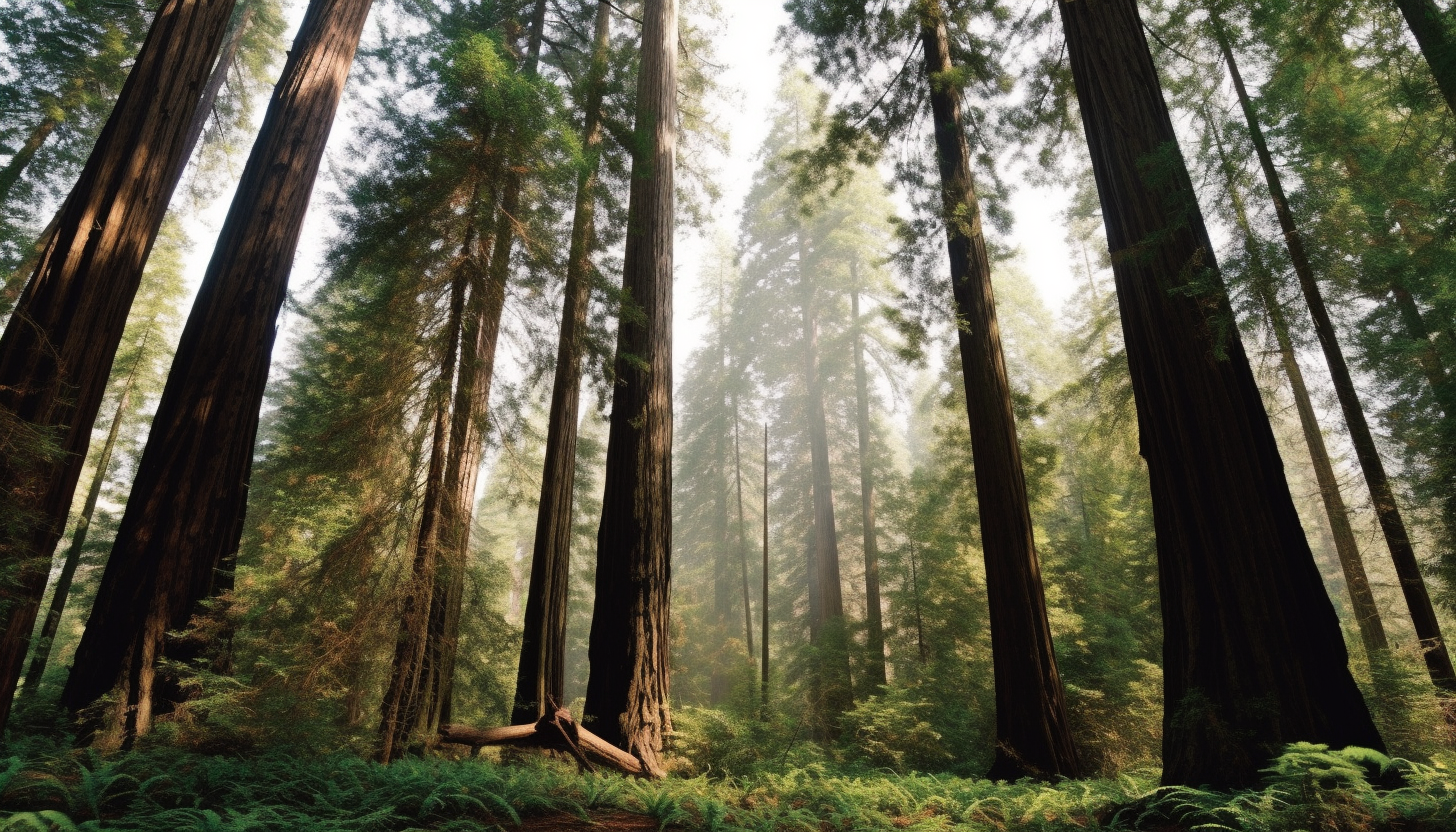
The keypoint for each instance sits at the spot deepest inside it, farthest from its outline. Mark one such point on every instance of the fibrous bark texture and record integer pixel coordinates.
(184, 517)
(1253, 653)
(41, 653)
(627, 692)
(541, 671)
(56, 353)
(400, 709)
(1032, 732)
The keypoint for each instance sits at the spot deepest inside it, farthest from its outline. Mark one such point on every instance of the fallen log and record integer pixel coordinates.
(556, 731)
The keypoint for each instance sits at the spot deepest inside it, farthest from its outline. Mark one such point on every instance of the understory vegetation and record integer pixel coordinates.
(1308, 788)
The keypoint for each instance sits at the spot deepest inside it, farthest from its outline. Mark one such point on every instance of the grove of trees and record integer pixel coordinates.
(435, 478)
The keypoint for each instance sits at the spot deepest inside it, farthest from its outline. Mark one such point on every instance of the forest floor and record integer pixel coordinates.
(170, 789)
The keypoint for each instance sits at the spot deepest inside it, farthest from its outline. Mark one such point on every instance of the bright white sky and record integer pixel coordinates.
(750, 79)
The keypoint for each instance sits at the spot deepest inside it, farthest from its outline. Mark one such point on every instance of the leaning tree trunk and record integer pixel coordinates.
(1253, 653)
(742, 534)
(627, 692)
(480, 334)
(184, 517)
(1357, 583)
(1033, 737)
(43, 643)
(399, 710)
(831, 687)
(541, 671)
(1434, 34)
(1443, 392)
(15, 282)
(875, 636)
(1382, 494)
(436, 682)
(20, 160)
(56, 354)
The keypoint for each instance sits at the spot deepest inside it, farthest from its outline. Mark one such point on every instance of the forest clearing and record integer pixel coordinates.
(688, 414)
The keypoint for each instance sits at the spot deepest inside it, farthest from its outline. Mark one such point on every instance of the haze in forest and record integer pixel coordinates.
(676, 413)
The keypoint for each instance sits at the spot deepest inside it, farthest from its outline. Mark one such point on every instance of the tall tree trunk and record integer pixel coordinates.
(875, 636)
(742, 534)
(541, 671)
(832, 687)
(720, 681)
(43, 643)
(1382, 494)
(1357, 583)
(1253, 653)
(184, 517)
(15, 282)
(627, 692)
(20, 160)
(56, 354)
(763, 601)
(479, 331)
(915, 594)
(1433, 30)
(477, 369)
(399, 710)
(1443, 391)
(1032, 733)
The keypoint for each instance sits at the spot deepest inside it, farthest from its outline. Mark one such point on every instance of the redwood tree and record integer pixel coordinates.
(1253, 653)
(1382, 493)
(541, 672)
(831, 685)
(874, 624)
(184, 517)
(627, 692)
(56, 353)
(1357, 583)
(1032, 731)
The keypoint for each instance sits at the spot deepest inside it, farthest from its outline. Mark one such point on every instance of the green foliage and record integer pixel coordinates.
(891, 732)
(1310, 787)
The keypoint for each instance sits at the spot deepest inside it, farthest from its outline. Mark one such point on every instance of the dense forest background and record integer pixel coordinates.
(912, 527)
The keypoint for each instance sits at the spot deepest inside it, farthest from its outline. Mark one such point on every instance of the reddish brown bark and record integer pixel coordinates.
(627, 692)
(56, 353)
(479, 336)
(1032, 733)
(1253, 653)
(184, 517)
(541, 671)
(43, 642)
(401, 707)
